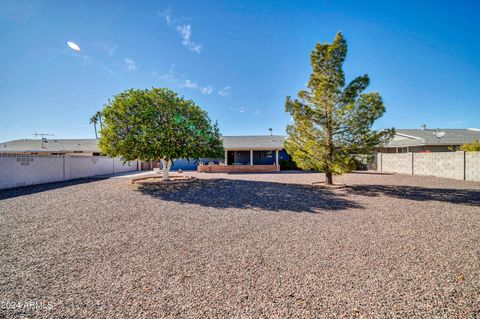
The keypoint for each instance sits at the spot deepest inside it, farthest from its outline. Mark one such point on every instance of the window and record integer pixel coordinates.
(268, 154)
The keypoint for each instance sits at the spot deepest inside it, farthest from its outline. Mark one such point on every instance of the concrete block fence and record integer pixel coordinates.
(456, 165)
(25, 169)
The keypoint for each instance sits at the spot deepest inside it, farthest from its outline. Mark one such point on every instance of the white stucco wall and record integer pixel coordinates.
(22, 170)
(86, 166)
(119, 167)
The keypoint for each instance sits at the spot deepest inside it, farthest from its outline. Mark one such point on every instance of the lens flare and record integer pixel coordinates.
(73, 46)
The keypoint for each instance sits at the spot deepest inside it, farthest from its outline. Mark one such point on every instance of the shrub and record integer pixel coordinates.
(471, 147)
(288, 165)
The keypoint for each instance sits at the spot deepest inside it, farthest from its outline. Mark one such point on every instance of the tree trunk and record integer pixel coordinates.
(95, 127)
(329, 178)
(166, 164)
(331, 149)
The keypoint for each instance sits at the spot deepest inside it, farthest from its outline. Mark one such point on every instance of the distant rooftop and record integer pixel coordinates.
(50, 145)
(403, 138)
(90, 145)
(419, 137)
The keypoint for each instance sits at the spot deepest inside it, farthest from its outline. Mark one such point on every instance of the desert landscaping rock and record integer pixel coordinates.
(156, 179)
(243, 246)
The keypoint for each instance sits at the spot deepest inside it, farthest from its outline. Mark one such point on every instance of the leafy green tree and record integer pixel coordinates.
(157, 124)
(332, 122)
(470, 147)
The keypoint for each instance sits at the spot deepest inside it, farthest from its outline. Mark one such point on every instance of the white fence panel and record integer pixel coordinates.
(24, 169)
(119, 167)
(85, 166)
(21, 170)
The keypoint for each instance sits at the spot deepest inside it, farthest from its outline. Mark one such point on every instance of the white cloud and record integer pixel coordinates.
(225, 91)
(182, 82)
(167, 15)
(86, 59)
(186, 33)
(184, 30)
(207, 90)
(245, 110)
(130, 63)
(189, 84)
(239, 109)
(169, 19)
(109, 49)
(169, 76)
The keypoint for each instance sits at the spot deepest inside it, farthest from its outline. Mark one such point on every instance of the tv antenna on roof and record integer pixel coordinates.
(42, 135)
(439, 134)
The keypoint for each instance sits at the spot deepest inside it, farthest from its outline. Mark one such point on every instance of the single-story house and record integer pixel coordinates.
(242, 153)
(429, 140)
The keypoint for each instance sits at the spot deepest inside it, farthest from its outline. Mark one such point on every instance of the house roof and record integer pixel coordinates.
(402, 138)
(90, 145)
(267, 142)
(419, 137)
(50, 145)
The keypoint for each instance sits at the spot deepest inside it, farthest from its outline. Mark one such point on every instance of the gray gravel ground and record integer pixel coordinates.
(242, 246)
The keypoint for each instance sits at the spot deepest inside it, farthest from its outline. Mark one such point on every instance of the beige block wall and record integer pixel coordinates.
(447, 165)
(472, 166)
(397, 163)
(456, 165)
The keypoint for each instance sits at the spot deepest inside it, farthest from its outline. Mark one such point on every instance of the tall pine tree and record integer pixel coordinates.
(333, 122)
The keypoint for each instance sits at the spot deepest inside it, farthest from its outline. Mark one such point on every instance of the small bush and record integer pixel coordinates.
(288, 165)
(471, 147)
(361, 161)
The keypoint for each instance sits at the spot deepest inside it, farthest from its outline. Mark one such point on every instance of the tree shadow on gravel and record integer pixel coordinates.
(371, 173)
(456, 196)
(33, 189)
(243, 194)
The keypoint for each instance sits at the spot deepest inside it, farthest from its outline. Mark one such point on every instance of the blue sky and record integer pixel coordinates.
(236, 59)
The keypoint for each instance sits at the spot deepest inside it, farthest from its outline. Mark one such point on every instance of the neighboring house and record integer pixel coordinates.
(429, 140)
(87, 147)
(32, 162)
(252, 151)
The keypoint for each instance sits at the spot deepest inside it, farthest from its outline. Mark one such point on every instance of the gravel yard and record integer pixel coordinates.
(242, 246)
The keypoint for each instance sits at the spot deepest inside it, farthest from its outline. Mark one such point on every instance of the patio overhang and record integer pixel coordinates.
(252, 157)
